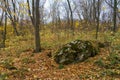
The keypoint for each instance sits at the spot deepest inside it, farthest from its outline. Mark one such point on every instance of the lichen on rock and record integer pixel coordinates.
(75, 51)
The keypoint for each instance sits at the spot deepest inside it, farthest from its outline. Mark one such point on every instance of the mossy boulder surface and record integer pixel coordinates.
(75, 51)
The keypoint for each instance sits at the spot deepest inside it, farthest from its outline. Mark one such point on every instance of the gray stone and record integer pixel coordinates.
(75, 51)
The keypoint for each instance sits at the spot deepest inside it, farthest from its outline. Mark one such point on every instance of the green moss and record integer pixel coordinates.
(75, 51)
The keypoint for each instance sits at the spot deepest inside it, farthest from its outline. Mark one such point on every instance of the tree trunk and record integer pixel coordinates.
(71, 15)
(4, 33)
(15, 28)
(37, 39)
(98, 15)
(114, 16)
(2, 18)
(94, 11)
(35, 18)
(36, 26)
(14, 18)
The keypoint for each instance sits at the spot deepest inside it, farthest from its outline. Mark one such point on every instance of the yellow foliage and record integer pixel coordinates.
(9, 28)
(104, 8)
(77, 24)
(1, 28)
(118, 10)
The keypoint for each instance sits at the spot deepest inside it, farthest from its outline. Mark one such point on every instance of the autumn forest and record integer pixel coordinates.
(59, 39)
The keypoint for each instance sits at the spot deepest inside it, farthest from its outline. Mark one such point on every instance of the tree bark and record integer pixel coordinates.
(15, 28)
(98, 15)
(94, 11)
(36, 26)
(114, 16)
(4, 33)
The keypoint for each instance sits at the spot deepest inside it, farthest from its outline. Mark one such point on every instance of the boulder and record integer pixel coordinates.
(75, 51)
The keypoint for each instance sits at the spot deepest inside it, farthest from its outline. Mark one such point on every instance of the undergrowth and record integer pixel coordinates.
(15, 45)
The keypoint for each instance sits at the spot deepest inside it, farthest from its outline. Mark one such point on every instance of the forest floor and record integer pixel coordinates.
(18, 62)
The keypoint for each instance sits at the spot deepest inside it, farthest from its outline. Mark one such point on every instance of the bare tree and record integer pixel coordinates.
(66, 7)
(114, 15)
(35, 18)
(98, 15)
(94, 10)
(11, 14)
(71, 16)
(5, 30)
(113, 4)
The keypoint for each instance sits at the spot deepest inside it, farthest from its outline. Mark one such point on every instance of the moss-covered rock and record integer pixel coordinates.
(75, 51)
